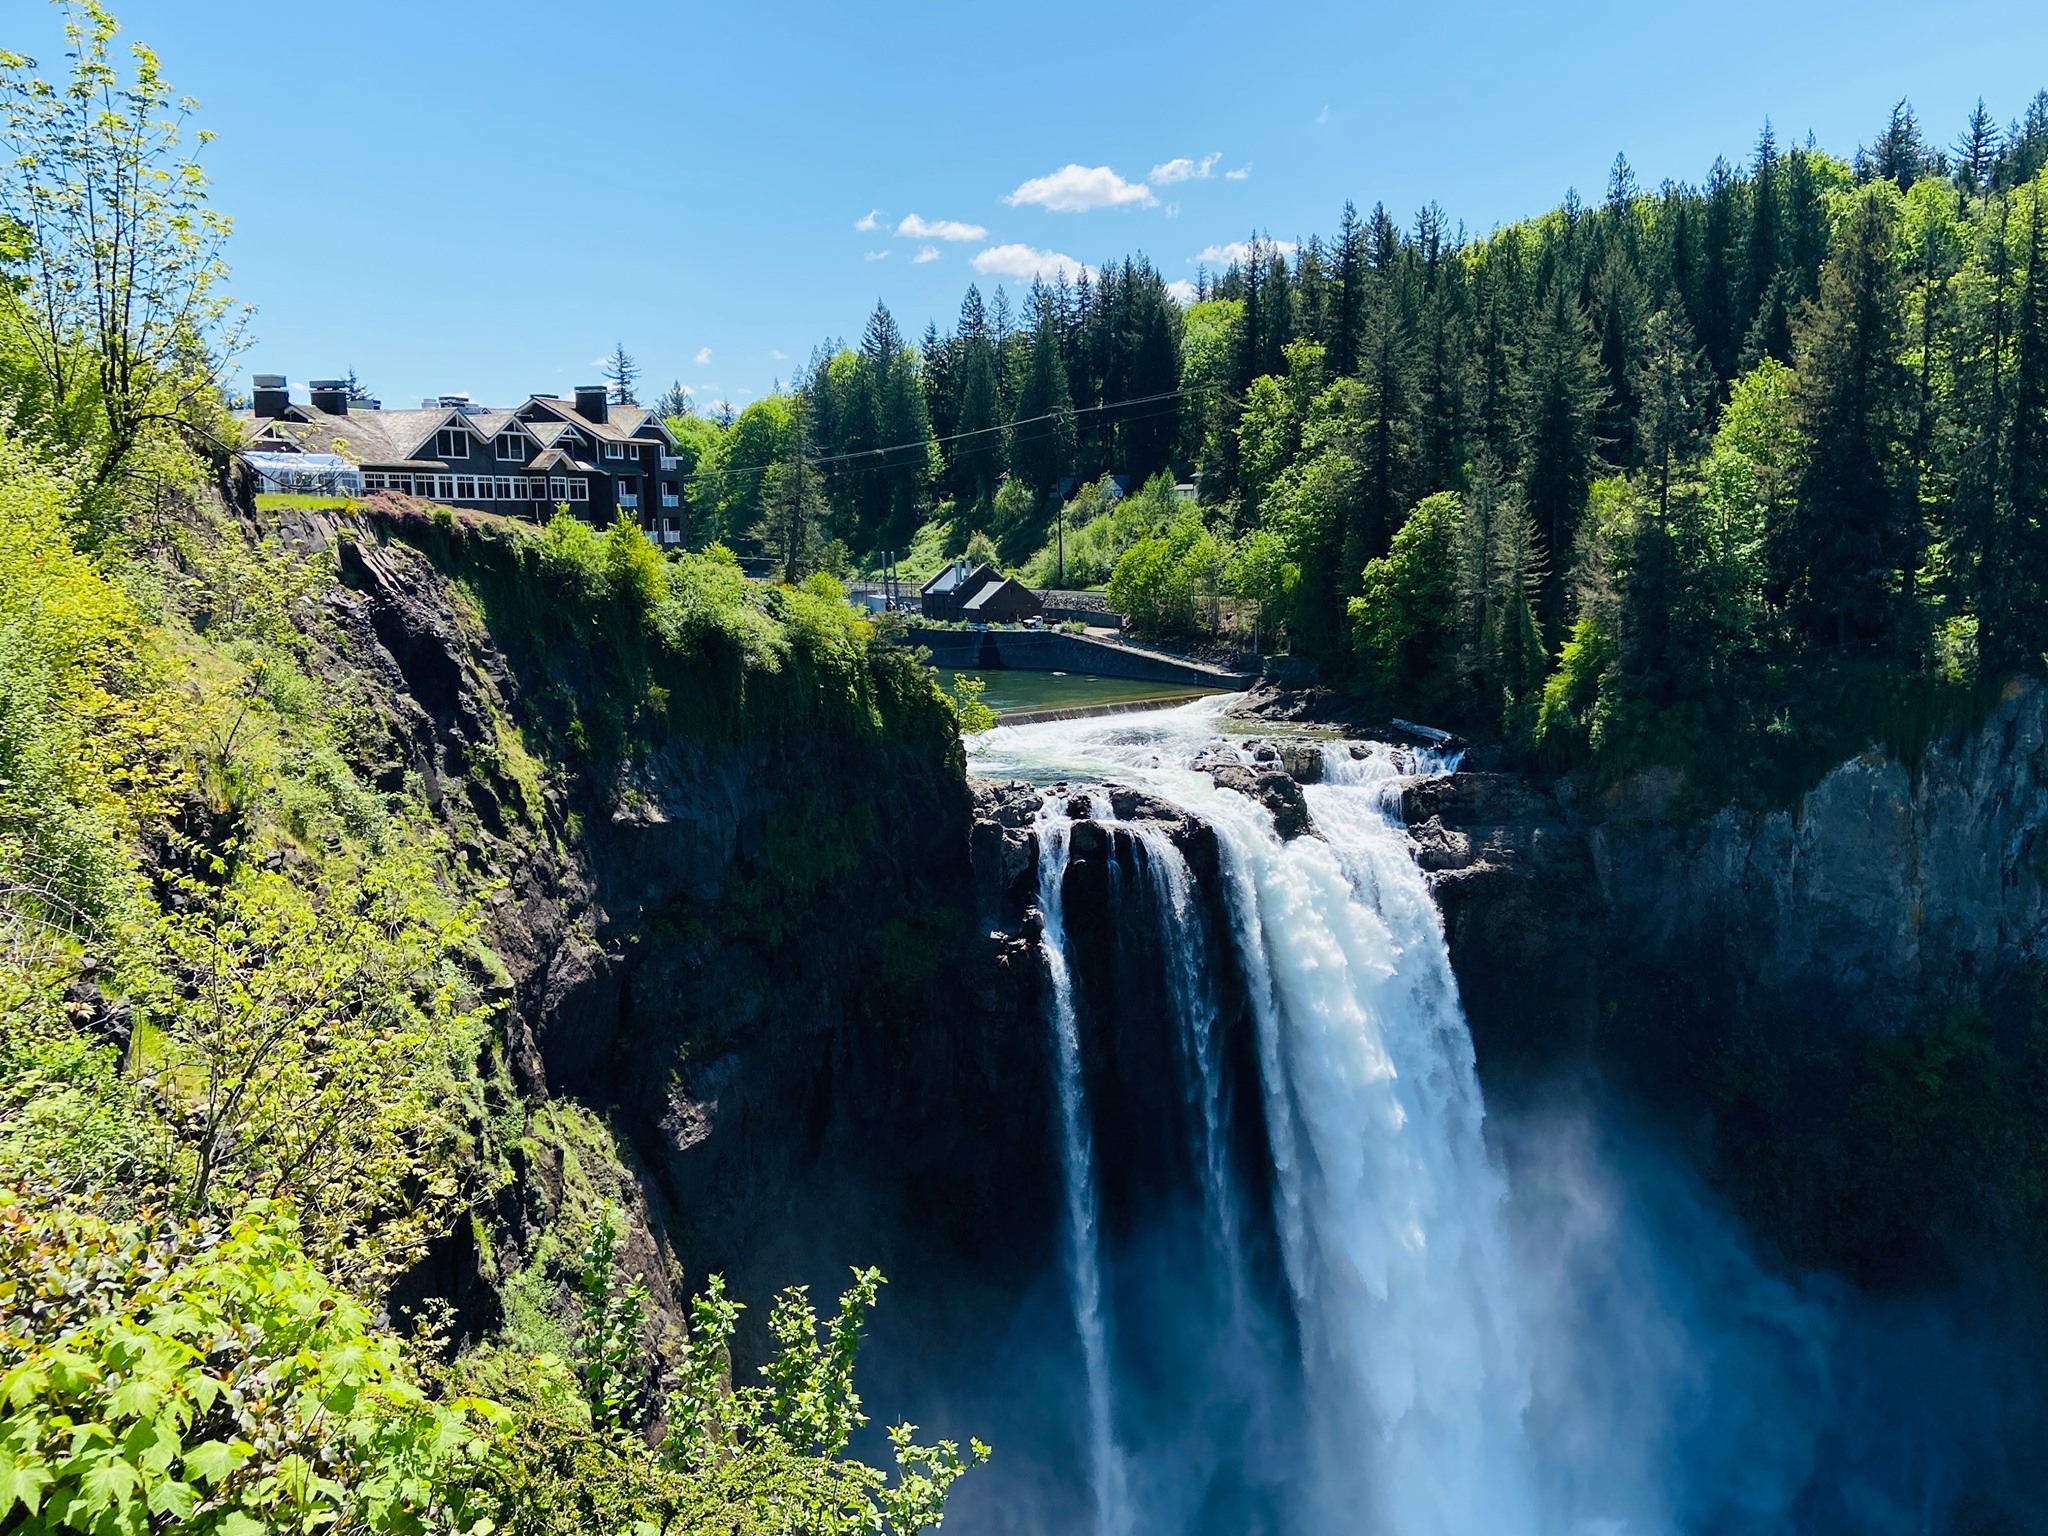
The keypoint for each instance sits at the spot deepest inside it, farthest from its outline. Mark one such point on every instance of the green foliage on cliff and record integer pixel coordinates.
(156, 1374)
(624, 647)
(253, 1047)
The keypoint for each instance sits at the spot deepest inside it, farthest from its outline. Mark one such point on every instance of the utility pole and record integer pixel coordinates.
(1060, 523)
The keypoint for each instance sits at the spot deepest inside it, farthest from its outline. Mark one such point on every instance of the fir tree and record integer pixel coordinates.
(1977, 151)
(1675, 386)
(1562, 392)
(2024, 626)
(1042, 436)
(1349, 322)
(1620, 312)
(1849, 526)
(1764, 254)
(622, 374)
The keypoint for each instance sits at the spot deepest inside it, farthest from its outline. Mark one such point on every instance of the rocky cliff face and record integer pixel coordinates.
(767, 990)
(790, 985)
(1889, 889)
(1834, 1004)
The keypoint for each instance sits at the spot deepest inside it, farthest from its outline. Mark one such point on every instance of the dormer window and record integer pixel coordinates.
(451, 443)
(618, 451)
(514, 447)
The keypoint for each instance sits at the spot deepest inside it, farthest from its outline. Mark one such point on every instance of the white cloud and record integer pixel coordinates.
(1173, 210)
(1024, 263)
(1323, 116)
(1184, 169)
(914, 228)
(1230, 254)
(869, 221)
(876, 256)
(1078, 188)
(929, 253)
(703, 356)
(1239, 174)
(1181, 291)
(778, 354)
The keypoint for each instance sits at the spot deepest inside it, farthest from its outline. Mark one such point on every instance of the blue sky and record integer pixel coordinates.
(484, 198)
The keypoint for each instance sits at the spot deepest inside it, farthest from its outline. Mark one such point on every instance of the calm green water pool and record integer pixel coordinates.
(1009, 691)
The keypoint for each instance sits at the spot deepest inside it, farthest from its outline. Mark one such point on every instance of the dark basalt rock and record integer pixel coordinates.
(1273, 789)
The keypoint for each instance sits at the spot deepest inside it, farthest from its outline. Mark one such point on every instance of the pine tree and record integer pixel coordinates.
(1562, 392)
(1977, 151)
(1764, 255)
(622, 373)
(2026, 147)
(1675, 387)
(1441, 388)
(2026, 459)
(793, 506)
(1620, 313)
(1900, 154)
(1713, 315)
(674, 401)
(1042, 434)
(1621, 189)
(1848, 532)
(1150, 429)
(1349, 323)
(1385, 444)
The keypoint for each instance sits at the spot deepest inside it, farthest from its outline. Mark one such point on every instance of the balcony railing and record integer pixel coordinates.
(670, 464)
(629, 499)
(671, 499)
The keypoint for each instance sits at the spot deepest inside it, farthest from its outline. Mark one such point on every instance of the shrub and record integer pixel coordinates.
(155, 1374)
(1159, 579)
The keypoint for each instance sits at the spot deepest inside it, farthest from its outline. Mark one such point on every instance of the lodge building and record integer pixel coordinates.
(597, 458)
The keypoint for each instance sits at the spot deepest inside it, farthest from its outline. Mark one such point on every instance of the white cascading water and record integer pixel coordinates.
(1192, 992)
(1388, 1208)
(1077, 1164)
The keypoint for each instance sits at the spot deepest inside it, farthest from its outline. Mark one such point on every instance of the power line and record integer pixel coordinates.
(854, 455)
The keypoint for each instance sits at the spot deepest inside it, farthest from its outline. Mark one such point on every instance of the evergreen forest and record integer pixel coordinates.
(1740, 469)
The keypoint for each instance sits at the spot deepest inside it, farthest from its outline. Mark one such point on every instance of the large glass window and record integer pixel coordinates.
(558, 489)
(579, 489)
(465, 488)
(512, 447)
(506, 492)
(444, 487)
(451, 443)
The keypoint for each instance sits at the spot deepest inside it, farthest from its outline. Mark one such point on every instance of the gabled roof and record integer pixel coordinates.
(388, 438)
(950, 579)
(1006, 586)
(362, 437)
(621, 423)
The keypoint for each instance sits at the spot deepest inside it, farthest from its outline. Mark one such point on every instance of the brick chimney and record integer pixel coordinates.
(590, 403)
(271, 397)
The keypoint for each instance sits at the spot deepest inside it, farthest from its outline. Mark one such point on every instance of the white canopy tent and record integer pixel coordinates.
(317, 474)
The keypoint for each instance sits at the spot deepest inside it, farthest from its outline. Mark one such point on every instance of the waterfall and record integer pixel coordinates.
(1386, 1206)
(1077, 1164)
(1191, 989)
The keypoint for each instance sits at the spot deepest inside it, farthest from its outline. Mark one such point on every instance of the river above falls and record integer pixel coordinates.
(1021, 692)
